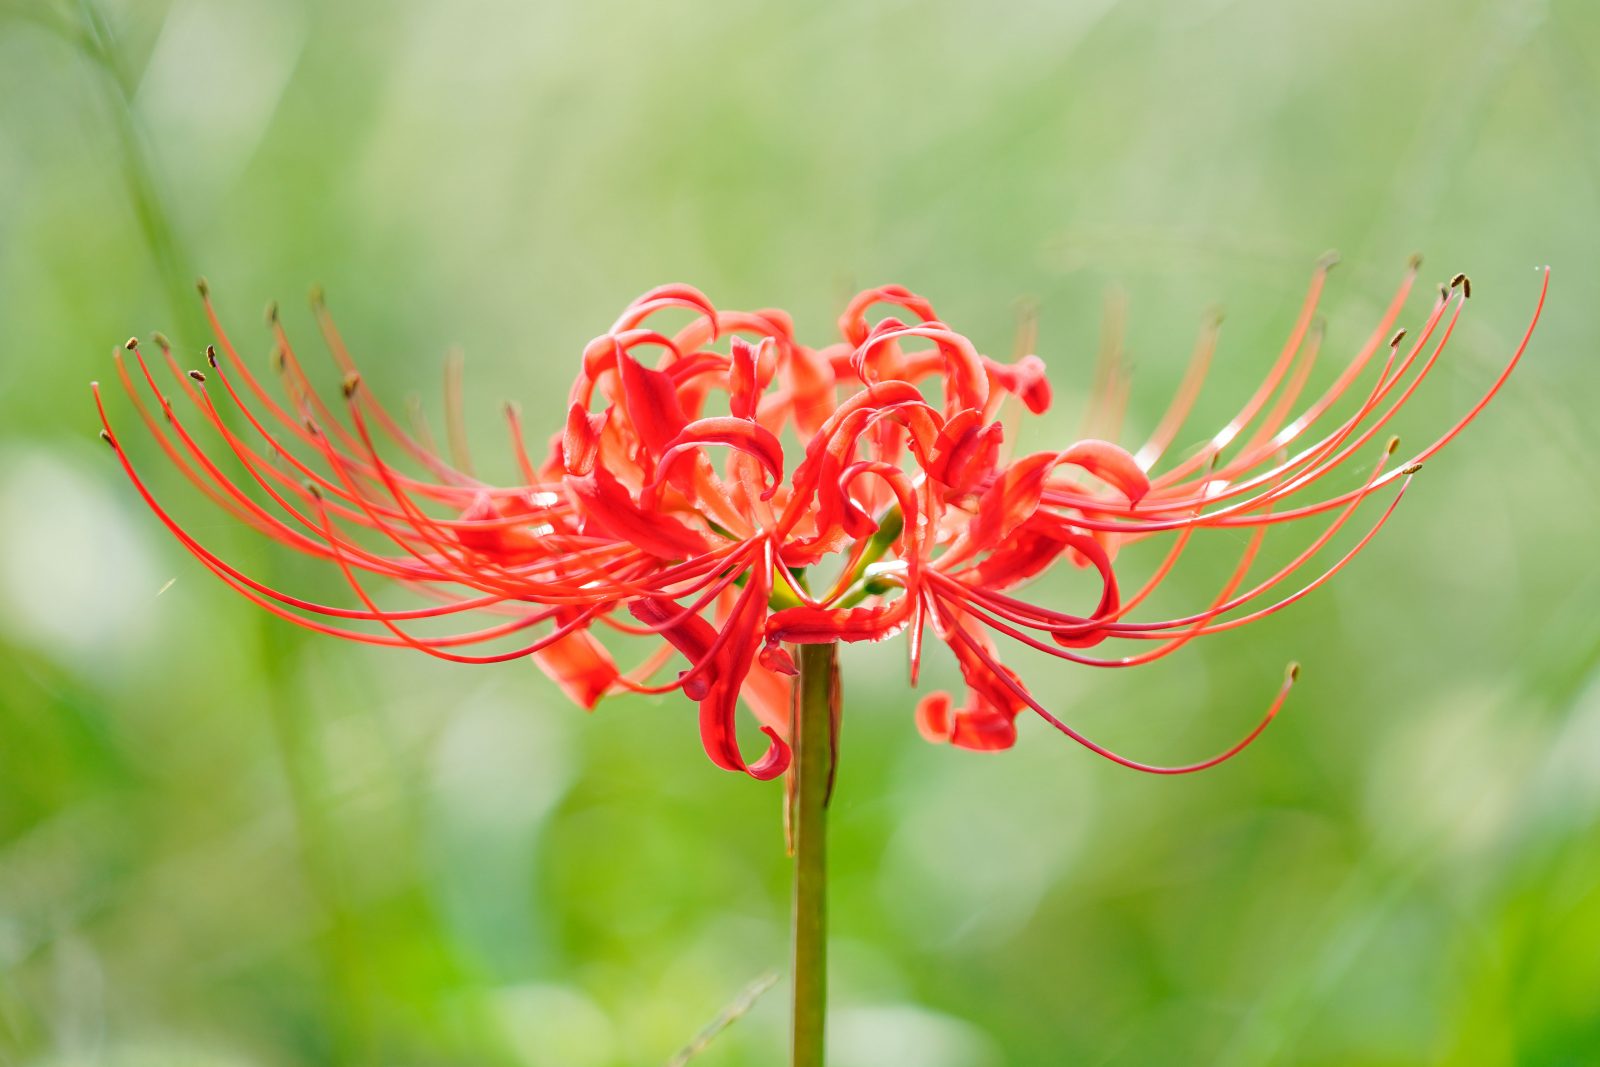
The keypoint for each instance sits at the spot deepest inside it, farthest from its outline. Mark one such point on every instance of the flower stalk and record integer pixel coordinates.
(814, 729)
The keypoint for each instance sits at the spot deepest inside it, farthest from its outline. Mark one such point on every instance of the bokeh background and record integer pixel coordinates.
(224, 842)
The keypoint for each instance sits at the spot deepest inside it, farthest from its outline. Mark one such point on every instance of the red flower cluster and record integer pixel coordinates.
(670, 504)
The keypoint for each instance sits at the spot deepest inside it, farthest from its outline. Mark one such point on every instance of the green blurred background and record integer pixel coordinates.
(225, 842)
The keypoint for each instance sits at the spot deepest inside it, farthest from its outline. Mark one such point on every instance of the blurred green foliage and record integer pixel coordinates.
(226, 843)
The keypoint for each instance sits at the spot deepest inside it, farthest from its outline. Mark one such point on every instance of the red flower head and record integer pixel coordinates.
(702, 476)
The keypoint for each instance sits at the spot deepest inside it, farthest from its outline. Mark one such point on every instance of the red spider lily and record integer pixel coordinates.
(895, 466)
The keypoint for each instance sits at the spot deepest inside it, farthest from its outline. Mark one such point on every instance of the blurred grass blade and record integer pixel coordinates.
(730, 1015)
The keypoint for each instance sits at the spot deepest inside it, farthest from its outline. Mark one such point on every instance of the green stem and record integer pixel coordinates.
(813, 730)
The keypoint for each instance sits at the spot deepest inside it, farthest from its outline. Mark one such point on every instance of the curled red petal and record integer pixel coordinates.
(768, 693)
(965, 451)
(722, 663)
(1025, 553)
(684, 631)
(580, 443)
(820, 449)
(1010, 499)
(966, 379)
(742, 633)
(978, 727)
(933, 717)
(987, 722)
(745, 377)
(750, 438)
(806, 625)
(493, 536)
(1024, 379)
(651, 399)
(776, 659)
(983, 729)
(676, 294)
(1111, 464)
(1029, 550)
(1016, 493)
(853, 323)
(810, 379)
(599, 356)
(580, 665)
(774, 761)
(606, 505)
